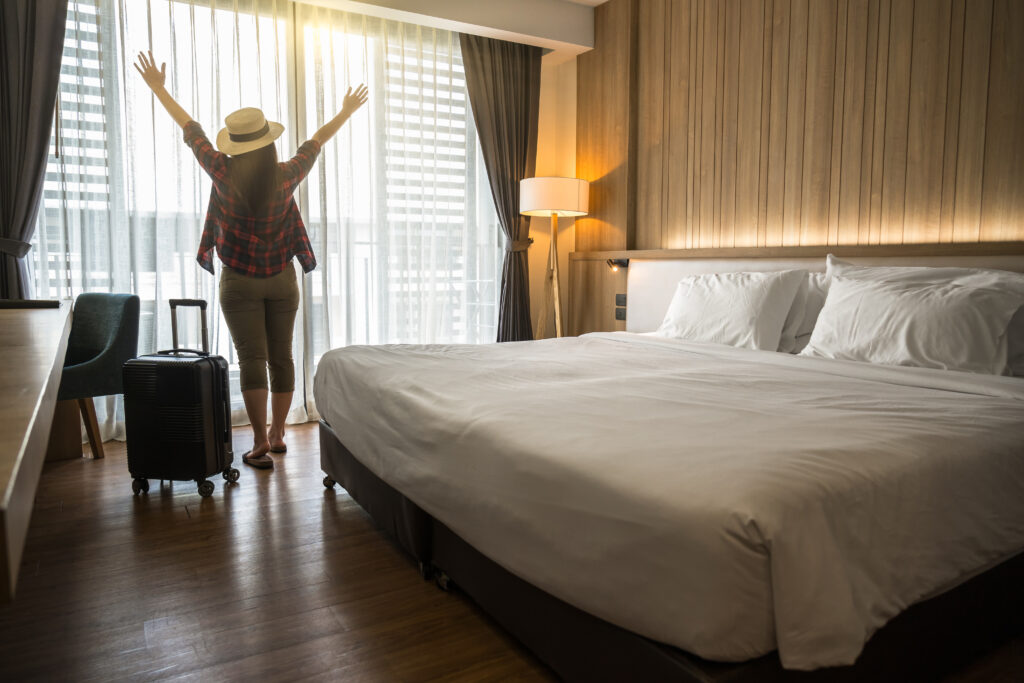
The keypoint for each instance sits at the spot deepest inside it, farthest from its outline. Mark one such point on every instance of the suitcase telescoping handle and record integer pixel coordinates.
(174, 320)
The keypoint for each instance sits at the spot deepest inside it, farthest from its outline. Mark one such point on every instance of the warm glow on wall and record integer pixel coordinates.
(905, 127)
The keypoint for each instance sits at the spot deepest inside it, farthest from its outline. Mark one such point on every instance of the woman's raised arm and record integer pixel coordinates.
(154, 78)
(352, 102)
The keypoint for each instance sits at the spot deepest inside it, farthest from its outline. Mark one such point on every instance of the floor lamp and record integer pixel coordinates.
(548, 196)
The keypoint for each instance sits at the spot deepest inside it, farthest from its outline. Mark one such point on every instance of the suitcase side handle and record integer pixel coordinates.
(202, 316)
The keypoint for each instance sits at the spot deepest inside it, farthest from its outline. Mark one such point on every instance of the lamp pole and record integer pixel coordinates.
(554, 273)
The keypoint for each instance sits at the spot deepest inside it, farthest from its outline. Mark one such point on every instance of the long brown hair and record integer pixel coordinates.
(254, 175)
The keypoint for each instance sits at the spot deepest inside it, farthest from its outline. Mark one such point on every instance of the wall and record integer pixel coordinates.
(556, 156)
(802, 122)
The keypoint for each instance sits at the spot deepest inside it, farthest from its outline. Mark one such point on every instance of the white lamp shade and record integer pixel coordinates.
(548, 195)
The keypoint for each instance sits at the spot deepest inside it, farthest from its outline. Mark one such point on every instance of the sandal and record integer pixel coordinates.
(262, 462)
(279, 449)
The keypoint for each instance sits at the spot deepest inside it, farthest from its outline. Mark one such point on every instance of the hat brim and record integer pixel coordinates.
(228, 146)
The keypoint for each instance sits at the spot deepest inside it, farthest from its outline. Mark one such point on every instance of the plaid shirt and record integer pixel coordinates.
(257, 246)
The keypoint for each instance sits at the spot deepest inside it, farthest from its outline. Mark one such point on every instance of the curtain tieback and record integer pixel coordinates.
(518, 245)
(15, 248)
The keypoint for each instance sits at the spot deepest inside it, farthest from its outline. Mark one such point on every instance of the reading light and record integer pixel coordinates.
(616, 263)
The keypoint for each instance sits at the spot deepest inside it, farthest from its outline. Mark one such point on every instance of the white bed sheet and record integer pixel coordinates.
(725, 501)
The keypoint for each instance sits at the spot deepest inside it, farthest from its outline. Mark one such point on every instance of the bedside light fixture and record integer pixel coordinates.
(550, 196)
(616, 263)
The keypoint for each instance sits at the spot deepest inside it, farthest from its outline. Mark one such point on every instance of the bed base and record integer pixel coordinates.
(927, 640)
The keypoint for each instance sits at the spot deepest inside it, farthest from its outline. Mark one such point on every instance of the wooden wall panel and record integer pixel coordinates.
(848, 189)
(686, 215)
(818, 125)
(925, 138)
(803, 122)
(750, 36)
(897, 121)
(838, 87)
(605, 96)
(951, 140)
(727, 159)
(653, 135)
(710, 38)
(1002, 202)
(677, 182)
(778, 107)
(861, 229)
(792, 170)
(974, 93)
(874, 227)
(768, 20)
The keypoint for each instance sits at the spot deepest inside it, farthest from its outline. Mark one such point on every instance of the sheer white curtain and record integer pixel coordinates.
(397, 208)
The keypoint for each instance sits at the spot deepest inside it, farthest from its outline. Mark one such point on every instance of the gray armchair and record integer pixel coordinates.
(104, 334)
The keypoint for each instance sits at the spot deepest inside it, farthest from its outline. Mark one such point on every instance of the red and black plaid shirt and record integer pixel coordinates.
(262, 245)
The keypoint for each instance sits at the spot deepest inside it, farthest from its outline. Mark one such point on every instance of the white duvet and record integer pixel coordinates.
(725, 501)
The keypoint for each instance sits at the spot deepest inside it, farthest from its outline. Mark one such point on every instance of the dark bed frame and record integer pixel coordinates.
(927, 640)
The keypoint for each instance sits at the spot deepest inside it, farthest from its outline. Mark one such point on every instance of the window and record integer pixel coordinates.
(398, 208)
(76, 192)
(418, 251)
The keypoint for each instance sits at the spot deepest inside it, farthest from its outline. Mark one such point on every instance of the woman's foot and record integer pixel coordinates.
(262, 462)
(277, 444)
(259, 457)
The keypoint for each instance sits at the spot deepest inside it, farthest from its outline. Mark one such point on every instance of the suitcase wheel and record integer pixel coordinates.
(328, 482)
(231, 474)
(140, 485)
(205, 488)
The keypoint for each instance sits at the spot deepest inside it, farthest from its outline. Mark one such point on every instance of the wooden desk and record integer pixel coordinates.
(32, 347)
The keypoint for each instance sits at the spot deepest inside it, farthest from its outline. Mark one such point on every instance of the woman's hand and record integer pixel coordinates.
(153, 77)
(353, 100)
(349, 106)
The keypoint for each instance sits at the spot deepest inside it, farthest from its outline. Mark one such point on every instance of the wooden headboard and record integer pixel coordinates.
(593, 286)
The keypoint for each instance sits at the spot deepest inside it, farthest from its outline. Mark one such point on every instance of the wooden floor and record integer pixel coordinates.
(274, 578)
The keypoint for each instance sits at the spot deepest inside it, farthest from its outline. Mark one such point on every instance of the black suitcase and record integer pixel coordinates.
(177, 409)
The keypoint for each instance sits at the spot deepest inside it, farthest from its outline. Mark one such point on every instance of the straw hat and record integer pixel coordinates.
(247, 129)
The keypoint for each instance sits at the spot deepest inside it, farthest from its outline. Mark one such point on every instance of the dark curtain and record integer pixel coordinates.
(503, 80)
(32, 33)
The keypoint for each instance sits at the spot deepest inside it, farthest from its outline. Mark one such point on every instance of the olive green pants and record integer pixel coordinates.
(260, 312)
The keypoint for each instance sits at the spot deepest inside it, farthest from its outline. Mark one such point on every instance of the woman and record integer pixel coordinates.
(254, 225)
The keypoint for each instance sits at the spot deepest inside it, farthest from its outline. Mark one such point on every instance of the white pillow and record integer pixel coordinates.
(806, 307)
(948, 325)
(795, 318)
(976, 277)
(739, 309)
(1015, 344)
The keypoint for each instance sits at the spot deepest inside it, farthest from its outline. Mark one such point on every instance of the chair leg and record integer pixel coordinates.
(92, 427)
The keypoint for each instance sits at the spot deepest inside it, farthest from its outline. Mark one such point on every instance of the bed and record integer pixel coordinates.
(633, 505)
